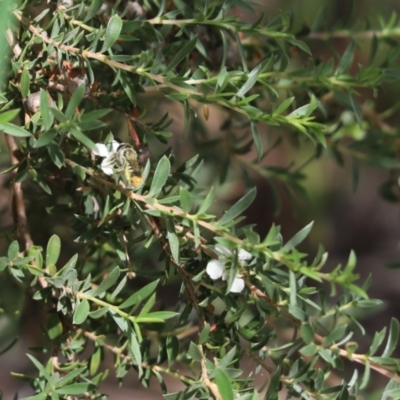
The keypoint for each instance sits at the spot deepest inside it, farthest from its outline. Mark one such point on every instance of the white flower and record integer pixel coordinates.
(244, 255)
(216, 269)
(107, 151)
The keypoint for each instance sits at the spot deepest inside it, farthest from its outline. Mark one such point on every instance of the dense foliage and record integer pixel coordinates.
(146, 221)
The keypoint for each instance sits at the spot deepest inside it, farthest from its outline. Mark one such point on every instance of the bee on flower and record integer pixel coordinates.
(120, 160)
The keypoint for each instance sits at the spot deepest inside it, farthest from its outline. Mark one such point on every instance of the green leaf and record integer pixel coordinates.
(251, 80)
(81, 312)
(173, 239)
(53, 250)
(172, 345)
(204, 334)
(13, 250)
(392, 339)
(155, 317)
(83, 139)
(24, 83)
(75, 101)
(70, 265)
(140, 295)
(56, 154)
(95, 361)
(306, 110)
(301, 45)
(95, 114)
(309, 350)
(76, 388)
(284, 105)
(113, 31)
(14, 130)
(292, 289)
(46, 138)
(108, 282)
(205, 205)
(224, 384)
(134, 346)
(40, 367)
(257, 139)
(307, 332)
(47, 115)
(185, 200)
(160, 176)
(239, 207)
(59, 116)
(194, 352)
(335, 335)
(297, 238)
(9, 115)
(182, 53)
(391, 391)
(95, 6)
(54, 327)
(346, 60)
(378, 339)
(71, 376)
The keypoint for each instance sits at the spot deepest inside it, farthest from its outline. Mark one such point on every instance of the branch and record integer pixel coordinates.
(18, 203)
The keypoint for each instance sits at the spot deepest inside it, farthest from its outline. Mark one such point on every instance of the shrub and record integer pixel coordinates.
(138, 218)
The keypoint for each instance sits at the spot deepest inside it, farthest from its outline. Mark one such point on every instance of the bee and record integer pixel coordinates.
(127, 163)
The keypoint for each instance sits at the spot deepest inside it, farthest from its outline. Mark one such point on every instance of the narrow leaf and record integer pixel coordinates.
(140, 295)
(205, 205)
(9, 115)
(185, 200)
(173, 239)
(14, 130)
(172, 345)
(114, 27)
(251, 80)
(392, 339)
(239, 207)
(182, 53)
(24, 83)
(284, 105)
(297, 238)
(76, 388)
(108, 282)
(74, 101)
(224, 384)
(94, 7)
(160, 176)
(346, 60)
(257, 140)
(83, 139)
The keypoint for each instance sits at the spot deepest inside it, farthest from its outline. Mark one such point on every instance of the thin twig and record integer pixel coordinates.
(18, 203)
(157, 368)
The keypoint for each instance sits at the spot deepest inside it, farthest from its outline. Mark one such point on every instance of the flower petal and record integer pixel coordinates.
(237, 285)
(101, 150)
(223, 250)
(215, 269)
(113, 146)
(244, 255)
(107, 166)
